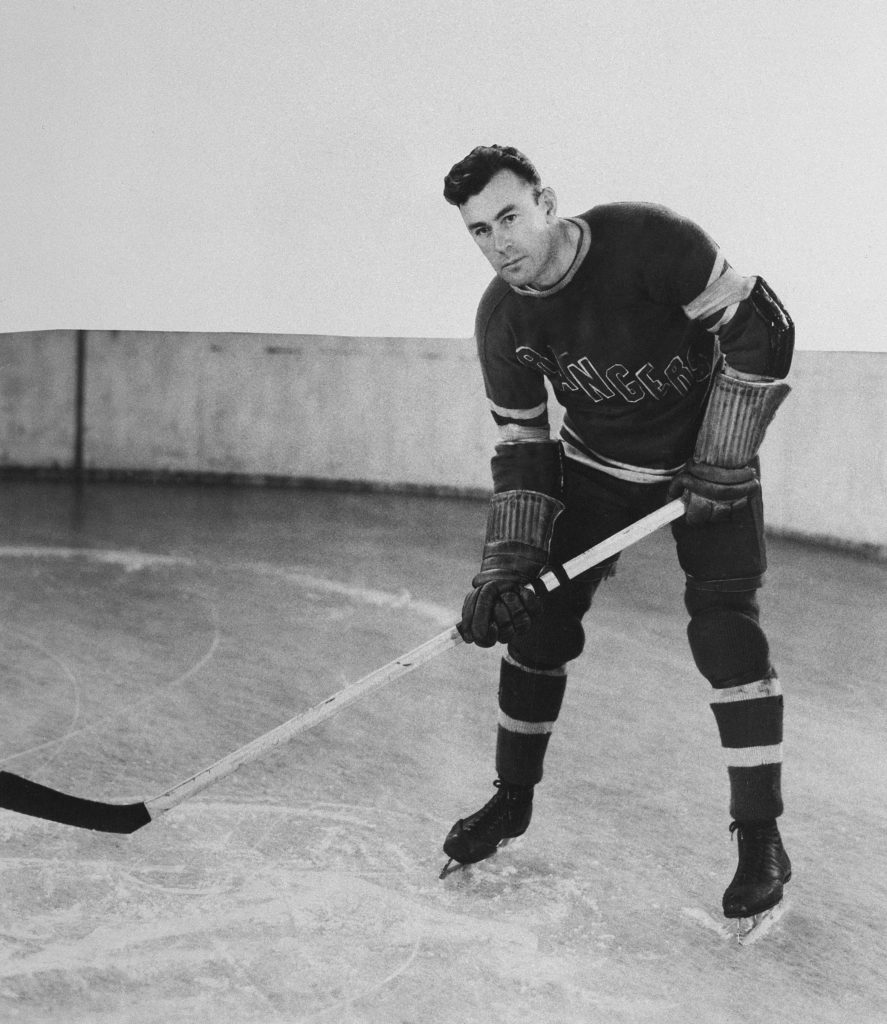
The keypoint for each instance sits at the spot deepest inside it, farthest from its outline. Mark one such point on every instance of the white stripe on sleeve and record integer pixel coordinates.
(518, 414)
(517, 433)
(731, 287)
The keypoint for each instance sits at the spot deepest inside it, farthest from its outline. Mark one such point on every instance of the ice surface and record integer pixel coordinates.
(148, 632)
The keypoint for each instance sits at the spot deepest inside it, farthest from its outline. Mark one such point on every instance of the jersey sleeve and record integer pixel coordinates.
(687, 268)
(526, 458)
(679, 258)
(515, 390)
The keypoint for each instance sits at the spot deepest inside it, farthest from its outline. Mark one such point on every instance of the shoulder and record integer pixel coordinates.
(639, 218)
(493, 299)
(652, 240)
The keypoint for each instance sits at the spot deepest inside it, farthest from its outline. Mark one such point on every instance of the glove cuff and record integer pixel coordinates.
(519, 529)
(736, 420)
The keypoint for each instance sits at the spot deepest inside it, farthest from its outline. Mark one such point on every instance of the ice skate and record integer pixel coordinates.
(503, 818)
(754, 898)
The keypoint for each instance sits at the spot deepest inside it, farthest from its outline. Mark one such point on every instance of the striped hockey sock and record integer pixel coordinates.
(749, 719)
(529, 703)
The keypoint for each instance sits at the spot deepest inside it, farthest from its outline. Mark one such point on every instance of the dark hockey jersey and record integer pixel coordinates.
(624, 339)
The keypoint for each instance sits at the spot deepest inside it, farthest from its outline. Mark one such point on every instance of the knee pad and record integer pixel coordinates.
(726, 640)
(699, 599)
(550, 643)
(557, 635)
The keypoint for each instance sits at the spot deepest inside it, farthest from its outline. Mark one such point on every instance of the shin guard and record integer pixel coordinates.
(731, 651)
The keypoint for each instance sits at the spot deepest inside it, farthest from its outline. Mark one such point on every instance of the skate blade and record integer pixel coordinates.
(452, 866)
(753, 929)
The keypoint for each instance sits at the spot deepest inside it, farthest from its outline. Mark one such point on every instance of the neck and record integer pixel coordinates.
(565, 245)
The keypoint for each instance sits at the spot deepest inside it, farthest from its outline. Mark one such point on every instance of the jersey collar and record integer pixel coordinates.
(581, 253)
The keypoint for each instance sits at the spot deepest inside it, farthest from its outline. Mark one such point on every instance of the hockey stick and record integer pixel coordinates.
(27, 797)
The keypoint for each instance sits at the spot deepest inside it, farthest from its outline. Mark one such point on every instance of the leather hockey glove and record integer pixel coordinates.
(712, 493)
(721, 477)
(518, 538)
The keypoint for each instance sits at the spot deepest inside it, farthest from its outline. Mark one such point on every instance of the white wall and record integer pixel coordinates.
(391, 412)
(384, 411)
(824, 461)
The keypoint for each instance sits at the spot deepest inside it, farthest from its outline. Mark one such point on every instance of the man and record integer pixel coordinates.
(668, 364)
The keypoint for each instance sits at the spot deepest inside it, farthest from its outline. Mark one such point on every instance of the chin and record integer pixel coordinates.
(517, 277)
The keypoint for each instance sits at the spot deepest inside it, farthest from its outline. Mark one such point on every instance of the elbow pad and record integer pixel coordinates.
(780, 328)
(748, 318)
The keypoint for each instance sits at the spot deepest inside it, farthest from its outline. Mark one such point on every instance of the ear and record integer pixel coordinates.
(548, 201)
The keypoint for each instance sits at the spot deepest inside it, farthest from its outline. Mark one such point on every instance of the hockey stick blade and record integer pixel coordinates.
(26, 797)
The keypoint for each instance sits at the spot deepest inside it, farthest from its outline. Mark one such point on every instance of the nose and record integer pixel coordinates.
(501, 239)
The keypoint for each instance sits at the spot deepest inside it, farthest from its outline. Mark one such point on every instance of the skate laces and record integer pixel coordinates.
(499, 807)
(758, 843)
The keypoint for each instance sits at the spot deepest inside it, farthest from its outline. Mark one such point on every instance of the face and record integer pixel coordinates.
(514, 230)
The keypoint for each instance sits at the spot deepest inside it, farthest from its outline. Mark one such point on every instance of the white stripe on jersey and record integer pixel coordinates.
(518, 414)
(752, 757)
(621, 470)
(726, 292)
(728, 315)
(517, 433)
(717, 267)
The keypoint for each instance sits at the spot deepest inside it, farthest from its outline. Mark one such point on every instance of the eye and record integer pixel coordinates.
(509, 218)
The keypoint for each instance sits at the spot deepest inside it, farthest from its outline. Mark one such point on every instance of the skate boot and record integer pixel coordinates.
(506, 816)
(755, 892)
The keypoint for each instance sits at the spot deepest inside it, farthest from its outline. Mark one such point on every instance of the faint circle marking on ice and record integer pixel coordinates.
(136, 561)
(69, 675)
(111, 916)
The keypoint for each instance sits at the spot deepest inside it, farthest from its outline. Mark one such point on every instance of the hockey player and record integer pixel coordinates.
(669, 366)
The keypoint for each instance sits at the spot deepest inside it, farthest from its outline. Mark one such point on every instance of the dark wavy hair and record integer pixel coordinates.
(472, 173)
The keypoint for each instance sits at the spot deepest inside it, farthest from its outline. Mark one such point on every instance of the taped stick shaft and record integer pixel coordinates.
(394, 669)
(613, 545)
(305, 721)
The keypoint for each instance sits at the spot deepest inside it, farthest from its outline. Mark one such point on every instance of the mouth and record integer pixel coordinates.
(512, 263)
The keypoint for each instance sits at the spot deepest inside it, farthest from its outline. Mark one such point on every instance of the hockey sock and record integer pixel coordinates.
(529, 703)
(749, 719)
